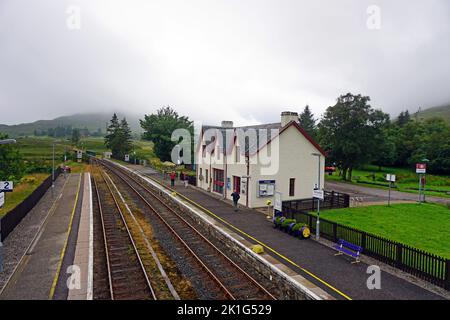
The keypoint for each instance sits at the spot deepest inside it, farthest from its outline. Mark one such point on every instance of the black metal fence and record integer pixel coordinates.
(192, 180)
(12, 218)
(331, 200)
(422, 264)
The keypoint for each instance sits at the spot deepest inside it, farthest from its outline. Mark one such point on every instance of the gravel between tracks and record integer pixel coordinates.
(20, 238)
(167, 242)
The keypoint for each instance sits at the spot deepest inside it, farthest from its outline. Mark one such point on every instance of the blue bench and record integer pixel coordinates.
(348, 248)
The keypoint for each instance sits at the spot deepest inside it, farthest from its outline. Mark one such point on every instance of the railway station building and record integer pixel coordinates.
(259, 161)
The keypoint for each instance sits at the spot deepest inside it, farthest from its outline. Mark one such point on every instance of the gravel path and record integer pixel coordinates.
(20, 238)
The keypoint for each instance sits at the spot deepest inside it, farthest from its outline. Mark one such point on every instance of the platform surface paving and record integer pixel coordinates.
(35, 275)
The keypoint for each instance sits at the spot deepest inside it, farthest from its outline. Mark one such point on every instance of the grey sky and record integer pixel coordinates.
(241, 60)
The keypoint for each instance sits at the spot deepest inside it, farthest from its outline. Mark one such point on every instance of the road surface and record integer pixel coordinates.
(378, 195)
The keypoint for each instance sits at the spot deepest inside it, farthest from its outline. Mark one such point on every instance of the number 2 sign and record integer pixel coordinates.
(6, 186)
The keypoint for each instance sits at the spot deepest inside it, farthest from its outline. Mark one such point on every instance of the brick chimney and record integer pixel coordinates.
(227, 124)
(288, 116)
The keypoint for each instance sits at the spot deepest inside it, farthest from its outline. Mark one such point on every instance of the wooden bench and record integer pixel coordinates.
(348, 248)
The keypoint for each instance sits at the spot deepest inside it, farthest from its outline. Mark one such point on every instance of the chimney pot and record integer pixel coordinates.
(287, 117)
(227, 124)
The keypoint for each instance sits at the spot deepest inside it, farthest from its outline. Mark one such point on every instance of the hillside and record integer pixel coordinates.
(442, 111)
(92, 121)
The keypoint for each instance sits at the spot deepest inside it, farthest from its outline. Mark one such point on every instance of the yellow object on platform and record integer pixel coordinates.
(257, 248)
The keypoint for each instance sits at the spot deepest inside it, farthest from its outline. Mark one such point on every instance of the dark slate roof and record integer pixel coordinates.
(263, 134)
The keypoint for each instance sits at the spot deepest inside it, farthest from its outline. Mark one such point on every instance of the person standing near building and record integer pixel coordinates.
(173, 175)
(235, 195)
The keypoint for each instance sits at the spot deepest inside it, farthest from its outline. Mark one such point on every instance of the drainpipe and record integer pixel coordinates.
(247, 159)
(225, 178)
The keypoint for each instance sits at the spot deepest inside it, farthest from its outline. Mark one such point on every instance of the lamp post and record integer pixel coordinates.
(318, 155)
(4, 141)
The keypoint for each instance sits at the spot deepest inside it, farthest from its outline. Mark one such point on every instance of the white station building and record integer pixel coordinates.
(259, 161)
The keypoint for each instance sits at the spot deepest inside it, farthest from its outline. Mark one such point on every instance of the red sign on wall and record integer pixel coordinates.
(421, 168)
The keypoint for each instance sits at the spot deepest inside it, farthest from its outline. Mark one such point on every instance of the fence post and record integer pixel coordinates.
(335, 239)
(332, 199)
(363, 240)
(398, 262)
(447, 275)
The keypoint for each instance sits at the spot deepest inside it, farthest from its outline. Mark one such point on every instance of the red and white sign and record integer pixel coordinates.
(421, 168)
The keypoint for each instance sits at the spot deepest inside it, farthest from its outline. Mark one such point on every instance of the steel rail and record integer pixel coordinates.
(135, 250)
(243, 272)
(108, 265)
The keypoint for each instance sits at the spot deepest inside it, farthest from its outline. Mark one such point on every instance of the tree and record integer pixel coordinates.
(433, 144)
(403, 118)
(118, 137)
(75, 137)
(11, 165)
(112, 137)
(126, 138)
(350, 130)
(307, 122)
(159, 127)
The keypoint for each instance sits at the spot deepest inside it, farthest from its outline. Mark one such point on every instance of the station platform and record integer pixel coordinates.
(311, 259)
(59, 251)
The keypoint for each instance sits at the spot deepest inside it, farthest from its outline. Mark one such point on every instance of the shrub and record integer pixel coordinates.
(297, 227)
(287, 222)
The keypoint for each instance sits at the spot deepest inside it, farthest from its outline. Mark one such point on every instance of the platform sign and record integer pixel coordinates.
(318, 194)
(390, 177)
(421, 168)
(127, 158)
(6, 186)
(266, 188)
(277, 203)
(79, 154)
(243, 186)
(2, 199)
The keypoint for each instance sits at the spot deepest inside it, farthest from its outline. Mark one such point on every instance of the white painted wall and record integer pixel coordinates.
(295, 161)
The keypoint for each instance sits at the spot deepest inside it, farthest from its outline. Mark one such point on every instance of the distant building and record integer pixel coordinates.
(259, 160)
(107, 155)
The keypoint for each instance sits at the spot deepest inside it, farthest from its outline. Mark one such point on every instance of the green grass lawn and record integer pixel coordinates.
(22, 190)
(423, 226)
(407, 180)
(41, 148)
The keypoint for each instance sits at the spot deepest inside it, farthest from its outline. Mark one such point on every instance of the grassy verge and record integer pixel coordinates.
(22, 190)
(423, 226)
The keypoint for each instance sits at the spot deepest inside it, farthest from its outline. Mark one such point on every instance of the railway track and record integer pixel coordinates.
(127, 278)
(229, 279)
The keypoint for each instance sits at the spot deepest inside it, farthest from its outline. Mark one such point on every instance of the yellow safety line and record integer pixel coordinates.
(22, 264)
(63, 251)
(256, 240)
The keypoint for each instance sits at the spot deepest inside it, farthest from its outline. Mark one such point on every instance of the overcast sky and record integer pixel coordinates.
(240, 60)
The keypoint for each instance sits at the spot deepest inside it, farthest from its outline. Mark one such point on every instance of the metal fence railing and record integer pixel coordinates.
(424, 265)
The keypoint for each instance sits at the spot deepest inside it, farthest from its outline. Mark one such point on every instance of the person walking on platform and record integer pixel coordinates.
(235, 195)
(173, 175)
